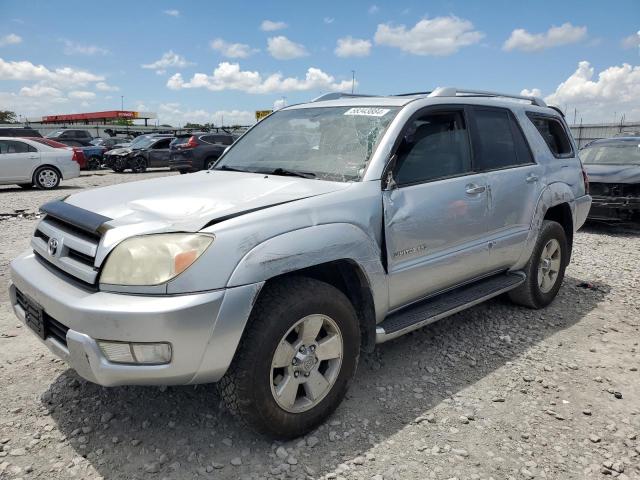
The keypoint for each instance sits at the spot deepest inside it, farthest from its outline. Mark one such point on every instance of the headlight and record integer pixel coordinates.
(153, 259)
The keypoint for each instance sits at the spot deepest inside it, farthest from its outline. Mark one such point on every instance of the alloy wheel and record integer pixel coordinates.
(549, 265)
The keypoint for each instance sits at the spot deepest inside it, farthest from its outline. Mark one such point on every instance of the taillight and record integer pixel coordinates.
(191, 143)
(78, 156)
(585, 178)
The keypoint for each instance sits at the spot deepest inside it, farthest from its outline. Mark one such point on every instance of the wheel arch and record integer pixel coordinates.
(341, 255)
(35, 170)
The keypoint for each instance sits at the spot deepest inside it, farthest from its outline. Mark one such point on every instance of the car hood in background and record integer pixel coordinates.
(600, 173)
(120, 151)
(189, 202)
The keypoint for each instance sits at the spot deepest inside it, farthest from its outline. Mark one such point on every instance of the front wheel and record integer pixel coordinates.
(94, 163)
(545, 269)
(210, 163)
(138, 164)
(296, 360)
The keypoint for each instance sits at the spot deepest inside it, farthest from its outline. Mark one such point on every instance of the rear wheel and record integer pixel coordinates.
(46, 178)
(182, 172)
(545, 269)
(210, 163)
(296, 360)
(94, 163)
(138, 164)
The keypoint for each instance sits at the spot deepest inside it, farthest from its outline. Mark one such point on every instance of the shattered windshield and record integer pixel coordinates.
(627, 153)
(328, 143)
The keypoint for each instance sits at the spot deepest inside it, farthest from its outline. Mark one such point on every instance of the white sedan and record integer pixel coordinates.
(26, 162)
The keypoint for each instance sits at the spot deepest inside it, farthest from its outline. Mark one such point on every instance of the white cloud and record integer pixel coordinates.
(565, 34)
(373, 9)
(169, 59)
(632, 41)
(229, 76)
(534, 92)
(65, 76)
(39, 90)
(73, 48)
(281, 48)
(616, 89)
(105, 87)
(82, 95)
(436, 36)
(328, 20)
(174, 114)
(172, 12)
(352, 47)
(271, 26)
(232, 50)
(10, 39)
(279, 103)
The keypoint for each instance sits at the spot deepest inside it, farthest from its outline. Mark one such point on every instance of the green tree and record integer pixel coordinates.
(7, 116)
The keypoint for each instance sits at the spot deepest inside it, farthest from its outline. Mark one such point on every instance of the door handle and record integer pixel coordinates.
(33, 156)
(532, 178)
(473, 189)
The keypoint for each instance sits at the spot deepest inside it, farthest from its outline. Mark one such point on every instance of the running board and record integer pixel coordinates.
(445, 304)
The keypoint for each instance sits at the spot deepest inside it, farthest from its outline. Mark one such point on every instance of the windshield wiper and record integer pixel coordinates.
(231, 169)
(292, 173)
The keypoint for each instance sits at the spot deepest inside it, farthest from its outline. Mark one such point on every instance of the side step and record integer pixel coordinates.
(445, 304)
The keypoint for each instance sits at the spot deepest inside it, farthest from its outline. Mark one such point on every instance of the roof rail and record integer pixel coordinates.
(338, 95)
(453, 92)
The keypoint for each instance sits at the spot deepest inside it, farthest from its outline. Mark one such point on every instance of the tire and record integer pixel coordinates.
(119, 164)
(251, 385)
(182, 172)
(138, 164)
(209, 162)
(26, 186)
(532, 293)
(94, 163)
(46, 178)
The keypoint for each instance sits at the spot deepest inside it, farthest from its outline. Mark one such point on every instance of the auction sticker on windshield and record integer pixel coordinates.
(367, 111)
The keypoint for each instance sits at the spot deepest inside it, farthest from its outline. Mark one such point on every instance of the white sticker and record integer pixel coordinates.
(367, 111)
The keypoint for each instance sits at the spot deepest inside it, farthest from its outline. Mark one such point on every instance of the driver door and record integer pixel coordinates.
(436, 215)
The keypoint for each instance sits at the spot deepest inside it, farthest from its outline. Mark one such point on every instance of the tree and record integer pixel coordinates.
(7, 116)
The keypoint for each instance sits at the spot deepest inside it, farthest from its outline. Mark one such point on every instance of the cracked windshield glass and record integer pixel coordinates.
(327, 143)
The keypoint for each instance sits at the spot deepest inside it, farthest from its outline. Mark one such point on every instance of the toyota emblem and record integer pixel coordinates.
(52, 246)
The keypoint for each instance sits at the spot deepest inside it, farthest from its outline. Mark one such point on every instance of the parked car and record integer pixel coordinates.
(72, 137)
(89, 158)
(197, 151)
(149, 152)
(19, 132)
(27, 163)
(110, 142)
(270, 272)
(613, 166)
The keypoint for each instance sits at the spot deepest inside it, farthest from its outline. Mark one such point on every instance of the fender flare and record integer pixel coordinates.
(315, 245)
(553, 194)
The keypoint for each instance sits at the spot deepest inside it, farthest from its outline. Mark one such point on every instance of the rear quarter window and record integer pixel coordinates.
(554, 134)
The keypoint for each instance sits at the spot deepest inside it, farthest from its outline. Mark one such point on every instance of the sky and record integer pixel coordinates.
(212, 61)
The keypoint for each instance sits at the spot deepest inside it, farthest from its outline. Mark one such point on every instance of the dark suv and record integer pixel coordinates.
(198, 151)
(72, 137)
(19, 132)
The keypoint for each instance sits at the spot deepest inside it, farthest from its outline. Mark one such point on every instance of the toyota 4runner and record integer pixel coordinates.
(327, 228)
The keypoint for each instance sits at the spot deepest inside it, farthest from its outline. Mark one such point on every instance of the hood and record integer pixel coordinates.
(120, 151)
(600, 173)
(189, 202)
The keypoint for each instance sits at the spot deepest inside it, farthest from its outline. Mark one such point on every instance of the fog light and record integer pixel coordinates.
(143, 353)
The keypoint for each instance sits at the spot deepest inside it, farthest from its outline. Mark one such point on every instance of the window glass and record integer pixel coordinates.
(499, 142)
(622, 153)
(553, 134)
(16, 147)
(436, 146)
(164, 143)
(4, 144)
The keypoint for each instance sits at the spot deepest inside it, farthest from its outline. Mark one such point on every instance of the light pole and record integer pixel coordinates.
(121, 102)
(353, 80)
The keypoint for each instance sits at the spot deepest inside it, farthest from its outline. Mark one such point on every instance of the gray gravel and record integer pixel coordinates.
(495, 392)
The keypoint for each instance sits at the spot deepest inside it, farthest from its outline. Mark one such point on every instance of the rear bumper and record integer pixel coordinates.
(204, 329)
(70, 170)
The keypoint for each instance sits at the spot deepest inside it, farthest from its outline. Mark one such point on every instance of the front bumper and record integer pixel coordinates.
(614, 208)
(204, 329)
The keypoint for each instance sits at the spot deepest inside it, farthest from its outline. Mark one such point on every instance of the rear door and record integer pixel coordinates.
(514, 182)
(17, 161)
(159, 153)
(436, 216)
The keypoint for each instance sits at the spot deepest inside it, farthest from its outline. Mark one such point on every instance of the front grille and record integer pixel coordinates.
(74, 251)
(55, 329)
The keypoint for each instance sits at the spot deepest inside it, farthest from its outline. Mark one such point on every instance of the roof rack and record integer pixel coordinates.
(338, 95)
(454, 92)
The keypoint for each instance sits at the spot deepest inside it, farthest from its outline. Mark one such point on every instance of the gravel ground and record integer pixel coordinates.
(496, 392)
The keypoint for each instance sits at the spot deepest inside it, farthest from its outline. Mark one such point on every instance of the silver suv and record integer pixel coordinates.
(327, 228)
